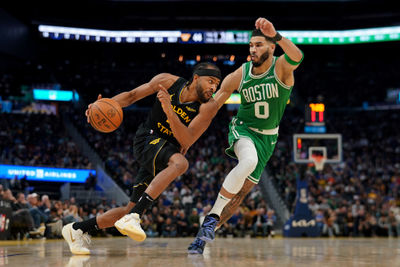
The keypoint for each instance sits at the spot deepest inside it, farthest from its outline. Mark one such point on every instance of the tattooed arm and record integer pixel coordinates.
(235, 202)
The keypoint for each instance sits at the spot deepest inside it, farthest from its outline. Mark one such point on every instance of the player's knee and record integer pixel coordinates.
(250, 163)
(180, 163)
(183, 166)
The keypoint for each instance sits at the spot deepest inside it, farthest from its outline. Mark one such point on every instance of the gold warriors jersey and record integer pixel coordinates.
(157, 120)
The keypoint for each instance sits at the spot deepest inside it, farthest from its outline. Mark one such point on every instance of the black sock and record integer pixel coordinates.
(87, 225)
(144, 203)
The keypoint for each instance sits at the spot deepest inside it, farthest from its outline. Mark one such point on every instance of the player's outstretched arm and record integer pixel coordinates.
(228, 86)
(125, 99)
(128, 98)
(292, 57)
(290, 49)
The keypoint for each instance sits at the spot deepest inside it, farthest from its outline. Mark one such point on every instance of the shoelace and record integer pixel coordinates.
(198, 242)
(210, 224)
(133, 218)
(127, 217)
(86, 238)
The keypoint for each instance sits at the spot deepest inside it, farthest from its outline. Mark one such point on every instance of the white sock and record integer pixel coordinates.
(219, 205)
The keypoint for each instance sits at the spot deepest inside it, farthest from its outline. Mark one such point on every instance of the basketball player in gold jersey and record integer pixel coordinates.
(183, 110)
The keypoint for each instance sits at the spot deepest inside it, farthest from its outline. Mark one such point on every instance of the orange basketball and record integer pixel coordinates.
(105, 115)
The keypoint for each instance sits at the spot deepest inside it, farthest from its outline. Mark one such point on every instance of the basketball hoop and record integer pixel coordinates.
(319, 161)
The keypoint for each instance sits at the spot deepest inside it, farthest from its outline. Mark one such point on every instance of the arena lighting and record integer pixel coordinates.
(369, 35)
(55, 95)
(233, 99)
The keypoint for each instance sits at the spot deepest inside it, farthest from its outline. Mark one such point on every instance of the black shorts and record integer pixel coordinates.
(152, 153)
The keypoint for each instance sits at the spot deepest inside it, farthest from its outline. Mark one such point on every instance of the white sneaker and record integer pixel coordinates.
(130, 225)
(76, 239)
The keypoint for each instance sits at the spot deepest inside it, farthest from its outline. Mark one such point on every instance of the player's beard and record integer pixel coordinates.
(201, 94)
(262, 59)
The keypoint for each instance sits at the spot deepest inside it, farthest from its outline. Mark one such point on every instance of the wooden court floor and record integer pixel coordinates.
(226, 252)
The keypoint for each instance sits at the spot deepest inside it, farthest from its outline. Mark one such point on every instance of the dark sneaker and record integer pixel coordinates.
(207, 229)
(197, 246)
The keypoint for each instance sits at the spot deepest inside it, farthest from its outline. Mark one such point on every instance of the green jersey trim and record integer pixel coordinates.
(252, 179)
(262, 75)
(243, 75)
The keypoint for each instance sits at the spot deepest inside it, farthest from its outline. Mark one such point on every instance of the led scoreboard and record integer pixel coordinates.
(315, 118)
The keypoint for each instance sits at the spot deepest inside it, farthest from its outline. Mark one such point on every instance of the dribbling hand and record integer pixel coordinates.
(89, 106)
(266, 27)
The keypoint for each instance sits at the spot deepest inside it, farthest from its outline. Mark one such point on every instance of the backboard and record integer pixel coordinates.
(327, 145)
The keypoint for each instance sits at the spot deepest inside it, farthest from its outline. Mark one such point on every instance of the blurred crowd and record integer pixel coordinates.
(179, 211)
(361, 195)
(358, 197)
(35, 216)
(38, 140)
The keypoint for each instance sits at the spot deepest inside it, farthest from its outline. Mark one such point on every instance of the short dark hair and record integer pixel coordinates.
(257, 32)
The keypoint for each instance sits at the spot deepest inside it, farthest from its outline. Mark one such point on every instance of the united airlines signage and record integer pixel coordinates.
(45, 173)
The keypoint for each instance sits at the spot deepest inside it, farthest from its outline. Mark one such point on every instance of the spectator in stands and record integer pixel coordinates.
(39, 218)
(150, 226)
(169, 228)
(349, 225)
(45, 205)
(392, 224)
(330, 226)
(396, 211)
(22, 221)
(182, 224)
(368, 226)
(187, 200)
(194, 222)
(383, 225)
(91, 181)
(55, 223)
(271, 220)
(260, 222)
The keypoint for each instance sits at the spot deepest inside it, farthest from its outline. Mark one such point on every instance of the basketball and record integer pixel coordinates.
(105, 115)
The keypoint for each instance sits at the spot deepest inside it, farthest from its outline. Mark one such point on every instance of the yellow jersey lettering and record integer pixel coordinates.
(181, 113)
(190, 109)
(163, 129)
(155, 141)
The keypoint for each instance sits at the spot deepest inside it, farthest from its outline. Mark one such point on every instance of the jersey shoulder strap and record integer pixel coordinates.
(177, 86)
(245, 70)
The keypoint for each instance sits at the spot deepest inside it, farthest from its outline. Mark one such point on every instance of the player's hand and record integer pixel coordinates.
(165, 99)
(89, 106)
(266, 27)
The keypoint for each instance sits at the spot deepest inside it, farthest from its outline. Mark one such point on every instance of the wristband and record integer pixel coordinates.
(277, 37)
